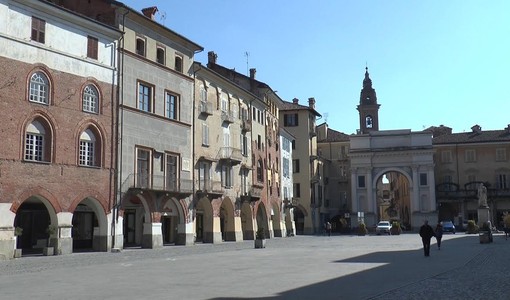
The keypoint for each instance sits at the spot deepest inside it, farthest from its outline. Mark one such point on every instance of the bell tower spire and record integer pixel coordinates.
(368, 107)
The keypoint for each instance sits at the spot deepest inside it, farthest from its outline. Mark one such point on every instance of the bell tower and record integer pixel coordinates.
(368, 107)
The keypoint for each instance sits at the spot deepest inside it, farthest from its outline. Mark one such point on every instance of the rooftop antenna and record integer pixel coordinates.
(326, 117)
(247, 54)
(162, 17)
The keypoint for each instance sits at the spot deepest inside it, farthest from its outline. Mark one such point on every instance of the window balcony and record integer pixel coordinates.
(246, 125)
(252, 193)
(230, 154)
(210, 188)
(205, 108)
(227, 116)
(158, 183)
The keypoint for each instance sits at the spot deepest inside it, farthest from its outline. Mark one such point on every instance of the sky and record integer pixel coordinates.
(431, 62)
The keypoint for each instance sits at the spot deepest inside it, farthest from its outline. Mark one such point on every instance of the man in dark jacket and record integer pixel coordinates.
(426, 233)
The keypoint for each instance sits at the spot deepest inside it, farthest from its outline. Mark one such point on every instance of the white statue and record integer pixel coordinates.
(482, 196)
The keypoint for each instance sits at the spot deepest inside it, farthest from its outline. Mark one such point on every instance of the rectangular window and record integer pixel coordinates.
(423, 179)
(171, 174)
(254, 114)
(259, 142)
(160, 55)
(244, 145)
(178, 63)
(172, 106)
(140, 46)
(293, 144)
(86, 153)
(446, 156)
(224, 104)
(295, 165)
(244, 181)
(226, 176)
(38, 30)
(205, 134)
(92, 43)
(361, 181)
(145, 96)
(204, 176)
(448, 179)
(143, 173)
(34, 147)
(501, 181)
(501, 154)
(290, 120)
(286, 145)
(286, 167)
(297, 190)
(470, 155)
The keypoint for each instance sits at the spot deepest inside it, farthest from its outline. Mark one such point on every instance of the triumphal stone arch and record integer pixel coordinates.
(402, 152)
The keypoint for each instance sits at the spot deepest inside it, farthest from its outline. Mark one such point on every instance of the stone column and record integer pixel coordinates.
(371, 203)
(416, 191)
(152, 237)
(7, 238)
(354, 187)
(63, 242)
(185, 234)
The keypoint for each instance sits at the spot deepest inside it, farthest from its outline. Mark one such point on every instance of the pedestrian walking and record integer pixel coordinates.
(426, 233)
(328, 228)
(439, 234)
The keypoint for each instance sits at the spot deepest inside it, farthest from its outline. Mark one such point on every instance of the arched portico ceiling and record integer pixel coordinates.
(227, 205)
(98, 210)
(379, 172)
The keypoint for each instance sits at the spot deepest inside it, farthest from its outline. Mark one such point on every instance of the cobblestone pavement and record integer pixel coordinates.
(302, 267)
(485, 276)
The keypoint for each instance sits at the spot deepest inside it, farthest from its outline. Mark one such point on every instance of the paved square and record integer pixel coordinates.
(301, 267)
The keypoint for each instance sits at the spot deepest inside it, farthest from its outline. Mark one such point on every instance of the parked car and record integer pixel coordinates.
(383, 227)
(448, 226)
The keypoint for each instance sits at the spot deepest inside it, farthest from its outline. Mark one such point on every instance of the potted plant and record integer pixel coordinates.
(362, 229)
(472, 228)
(260, 238)
(395, 228)
(18, 231)
(50, 250)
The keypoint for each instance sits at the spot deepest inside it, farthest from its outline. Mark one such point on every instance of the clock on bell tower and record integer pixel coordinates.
(368, 107)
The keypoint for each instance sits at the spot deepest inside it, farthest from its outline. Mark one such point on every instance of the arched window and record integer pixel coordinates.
(90, 99)
(37, 142)
(88, 145)
(369, 122)
(39, 88)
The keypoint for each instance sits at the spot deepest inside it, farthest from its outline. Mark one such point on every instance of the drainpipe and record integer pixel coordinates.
(193, 154)
(120, 125)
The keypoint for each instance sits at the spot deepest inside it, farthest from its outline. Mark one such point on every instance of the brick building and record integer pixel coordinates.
(57, 154)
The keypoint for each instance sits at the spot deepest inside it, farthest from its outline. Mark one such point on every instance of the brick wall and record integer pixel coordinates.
(61, 181)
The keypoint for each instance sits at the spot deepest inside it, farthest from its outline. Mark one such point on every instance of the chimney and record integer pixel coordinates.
(476, 129)
(311, 103)
(507, 129)
(295, 100)
(252, 73)
(211, 57)
(149, 12)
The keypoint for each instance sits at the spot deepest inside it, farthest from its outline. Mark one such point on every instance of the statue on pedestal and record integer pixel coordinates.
(482, 195)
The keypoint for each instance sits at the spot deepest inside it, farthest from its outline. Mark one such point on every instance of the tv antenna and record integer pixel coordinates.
(326, 117)
(162, 17)
(247, 54)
